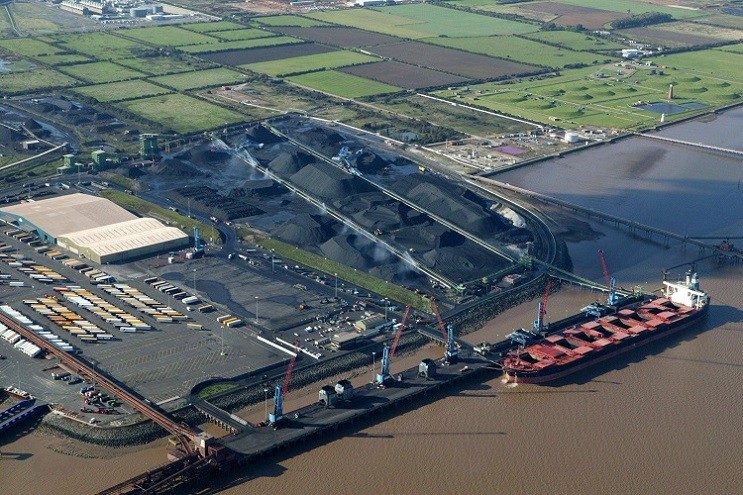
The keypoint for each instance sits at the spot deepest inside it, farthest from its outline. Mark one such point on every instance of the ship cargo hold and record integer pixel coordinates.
(607, 331)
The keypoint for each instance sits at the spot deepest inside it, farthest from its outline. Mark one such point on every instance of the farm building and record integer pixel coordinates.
(94, 228)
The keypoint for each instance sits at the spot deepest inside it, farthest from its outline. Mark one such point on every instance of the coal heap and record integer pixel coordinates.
(368, 163)
(451, 202)
(175, 168)
(262, 187)
(259, 134)
(302, 230)
(287, 163)
(325, 181)
(207, 156)
(9, 137)
(341, 249)
(206, 201)
(325, 141)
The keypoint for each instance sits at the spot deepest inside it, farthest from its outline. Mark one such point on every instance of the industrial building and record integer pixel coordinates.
(94, 228)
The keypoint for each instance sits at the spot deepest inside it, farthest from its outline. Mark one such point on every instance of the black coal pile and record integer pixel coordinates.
(304, 230)
(265, 188)
(259, 134)
(288, 163)
(206, 201)
(451, 202)
(325, 181)
(175, 168)
(325, 141)
(341, 249)
(206, 156)
(368, 163)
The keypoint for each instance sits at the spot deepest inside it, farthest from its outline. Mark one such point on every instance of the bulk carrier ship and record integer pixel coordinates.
(601, 332)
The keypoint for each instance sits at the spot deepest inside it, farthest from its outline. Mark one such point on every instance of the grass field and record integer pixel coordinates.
(28, 47)
(576, 41)
(201, 79)
(212, 27)
(351, 275)
(289, 20)
(724, 20)
(182, 113)
(713, 63)
(344, 85)
(101, 72)
(241, 44)
(420, 21)
(521, 50)
(145, 208)
(72, 58)
(20, 82)
(100, 45)
(168, 36)
(243, 34)
(578, 97)
(634, 7)
(123, 90)
(310, 63)
(732, 48)
(159, 66)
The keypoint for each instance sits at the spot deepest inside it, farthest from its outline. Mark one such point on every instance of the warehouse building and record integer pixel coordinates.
(94, 228)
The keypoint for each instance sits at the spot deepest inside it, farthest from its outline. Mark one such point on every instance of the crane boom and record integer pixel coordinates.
(605, 268)
(440, 321)
(611, 282)
(399, 331)
(290, 369)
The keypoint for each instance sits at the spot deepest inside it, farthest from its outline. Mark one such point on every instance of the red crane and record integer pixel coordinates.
(605, 268)
(545, 297)
(290, 369)
(440, 321)
(403, 322)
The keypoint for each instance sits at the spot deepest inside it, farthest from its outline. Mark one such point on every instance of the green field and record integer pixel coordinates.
(342, 84)
(579, 97)
(732, 48)
(212, 27)
(102, 46)
(288, 21)
(28, 47)
(418, 21)
(201, 79)
(310, 63)
(243, 34)
(634, 7)
(576, 41)
(724, 20)
(182, 113)
(101, 72)
(168, 36)
(20, 82)
(714, 63)
(123, 90)
(241, 45)
(159, 66)
(522, 50)
(72, 58)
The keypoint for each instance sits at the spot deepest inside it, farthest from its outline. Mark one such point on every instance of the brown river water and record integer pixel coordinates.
(666, 420)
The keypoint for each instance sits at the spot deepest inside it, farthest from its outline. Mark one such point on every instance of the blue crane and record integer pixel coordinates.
(452, 353)
(384, 372)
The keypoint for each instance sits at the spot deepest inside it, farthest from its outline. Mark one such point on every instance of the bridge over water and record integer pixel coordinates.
(690, 143)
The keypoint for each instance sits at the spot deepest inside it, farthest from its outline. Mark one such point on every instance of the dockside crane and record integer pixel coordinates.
(524, 337)
(611, 282)
(451, 354)
(388, 352)
(277, 415)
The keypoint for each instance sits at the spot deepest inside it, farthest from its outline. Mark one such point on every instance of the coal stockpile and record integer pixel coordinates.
(324, 141)
(450, 202)
(206, 156)
(341, 249)
(10, 138)
(368, 163)
(325, 181)
(304, 229)
(259, 134)
(206, 201)
(288, 163)
(377, 212)
(264, 188)
(175, 168)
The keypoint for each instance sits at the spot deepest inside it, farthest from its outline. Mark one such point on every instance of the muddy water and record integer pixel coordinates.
(666, 420)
